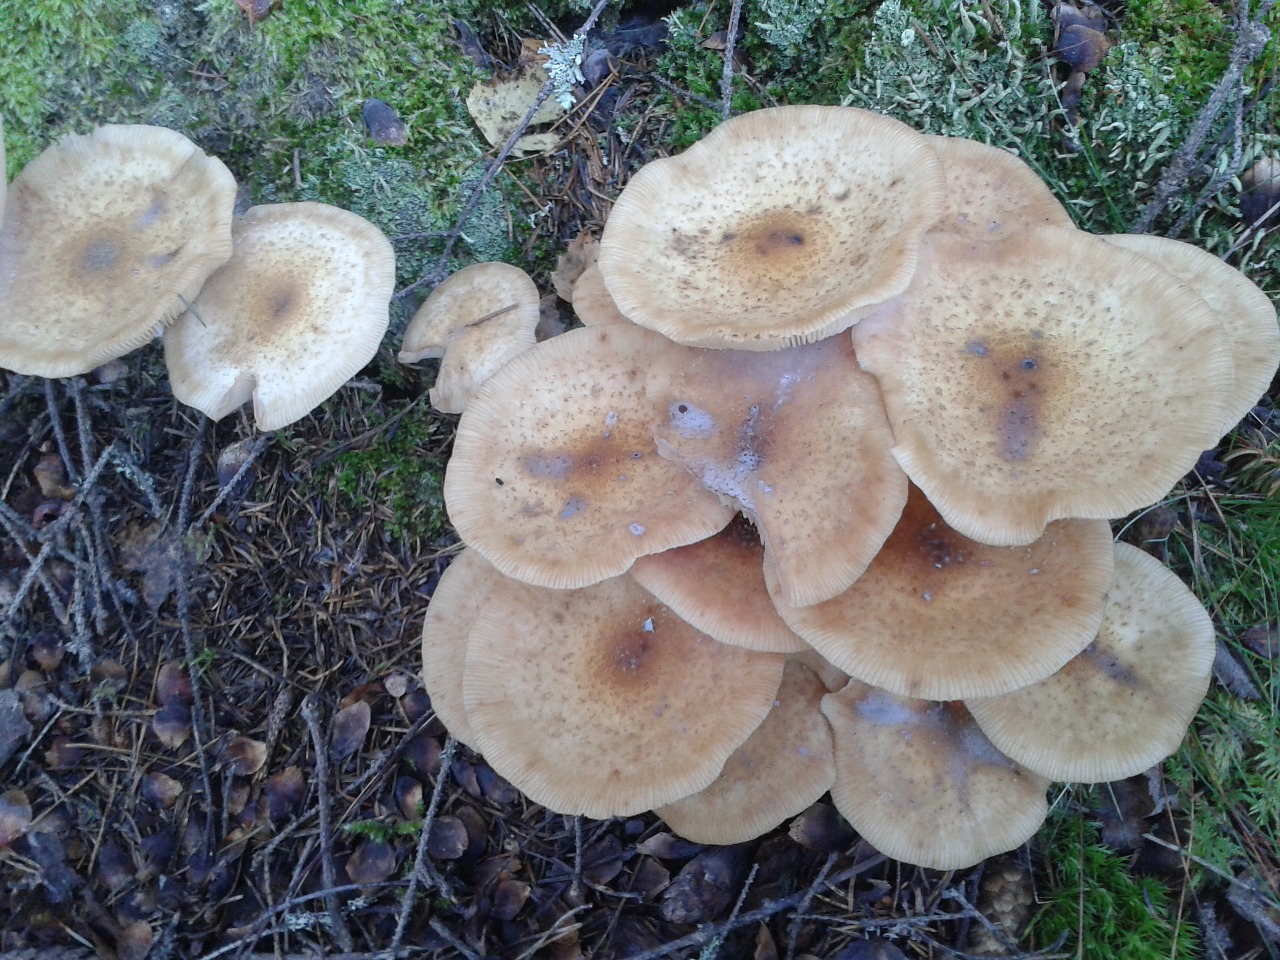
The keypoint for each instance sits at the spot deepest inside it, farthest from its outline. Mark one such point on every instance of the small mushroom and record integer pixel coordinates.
(786, 764)
(922, 784)
(297, 311)
(591, 301)
(805, 218)
(1125, 702)
(474, 322)
(106, 238)
(601, 701)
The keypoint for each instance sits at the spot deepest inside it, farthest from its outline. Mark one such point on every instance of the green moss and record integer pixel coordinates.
(396, 474)
(1103, 910)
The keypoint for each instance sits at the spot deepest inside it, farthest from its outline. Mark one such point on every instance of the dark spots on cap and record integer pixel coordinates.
(728, 237)
(1110, 666)
(841, 196)
(498, 481)
(1018, 393)
(940, 547)
(572, 507)
(977, 347)
(101, 256)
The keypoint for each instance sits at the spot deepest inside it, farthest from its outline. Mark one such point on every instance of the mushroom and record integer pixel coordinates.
(554, 477)
(717, 585)
(921, 782)
(1246, 313)
(798, 439)
(454, 608)
(107, 237)
(1019, 394)
(474, 322)
(1125, 702)
(601, 701)
(297, 311)
(805, 218)
(938, 616)
(591, 301)
(786, 764)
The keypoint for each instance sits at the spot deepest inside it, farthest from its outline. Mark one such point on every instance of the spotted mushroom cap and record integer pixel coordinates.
(799, 440)
(1031, 379)
(591, 301)
(782, 226)
(991, 193)
(4, 176)
(601, 701)
(105, 238)
(555, 478)
(938, 616)
(717, 584)
(455, 605)
(475, 321)
(297, 311)
(1123, 704)
(786, 764)
(1246, 313)
(922, 784)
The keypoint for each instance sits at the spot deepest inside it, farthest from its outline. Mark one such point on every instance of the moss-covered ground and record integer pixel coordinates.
(316, 575)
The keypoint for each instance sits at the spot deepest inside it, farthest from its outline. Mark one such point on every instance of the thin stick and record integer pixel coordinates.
(726, 78)
(311, 714)
(259, 445)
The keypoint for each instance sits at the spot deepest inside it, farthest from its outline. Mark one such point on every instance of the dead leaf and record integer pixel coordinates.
(52, 478)
(383, 124)
(242, 757)
(498, 105)
(160, 790)
(349, 729)
(173, 685)
(47, 651)
(14, 728)
(706, 887)
(667, 846)
(1229, 672)
(821, 828)
(231, 459)
(766, 949)
(408, 793)
(509, 897)
(172, 725)
(397, 684)
(448, 840)
(15, 816)
(582, 252)
(372, 862)
(285, 792)
(151, 551)
(255, 10)
(423, 752)
(602, 860)
(134, 942)
(1263, 639)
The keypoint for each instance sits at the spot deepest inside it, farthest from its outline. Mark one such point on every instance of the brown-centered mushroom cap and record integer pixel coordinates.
(474, 322)
(1124, 704)
(780, 227)
(105, 238)
(1032, 379)
(1246, 313)
(301, 306)
(991, 193)
(591, 301)
(941, 617)
(799, 440)
(4, 175)
(717, 584)
(922, 784)
(455, 605)
(601, 701)
(784, 766)
(554, 475)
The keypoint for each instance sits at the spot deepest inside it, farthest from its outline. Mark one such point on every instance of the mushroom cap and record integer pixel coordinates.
(301, 306)
(591, 301)
(554, 475)
(941, 617)
(786, 764)
(1125, 703)
(1246, 313)
(991, 193)
(476, 320)
(455, 605)
(922, 784)
(4, 176)
(601, 701)
(105, 238)
(1032, 379)
(717, 584)
(781, 226)
(798, 438)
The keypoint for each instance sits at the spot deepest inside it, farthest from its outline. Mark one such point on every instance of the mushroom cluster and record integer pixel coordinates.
(109, 238)
(818, 499)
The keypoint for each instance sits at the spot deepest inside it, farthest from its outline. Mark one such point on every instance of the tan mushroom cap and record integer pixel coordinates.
(455, 605)
(1245, 312)
(1034, 378)
(787, 764)
(923, 785)
(780, 227)
(4, 175)
(591, 301)
(554, 475)
(799, 440)
(301, 306)
(717, 584)
(941, 617)
(1125, 703)
(601, 701)
(476, 320)
(105, 238)
(991, 193)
